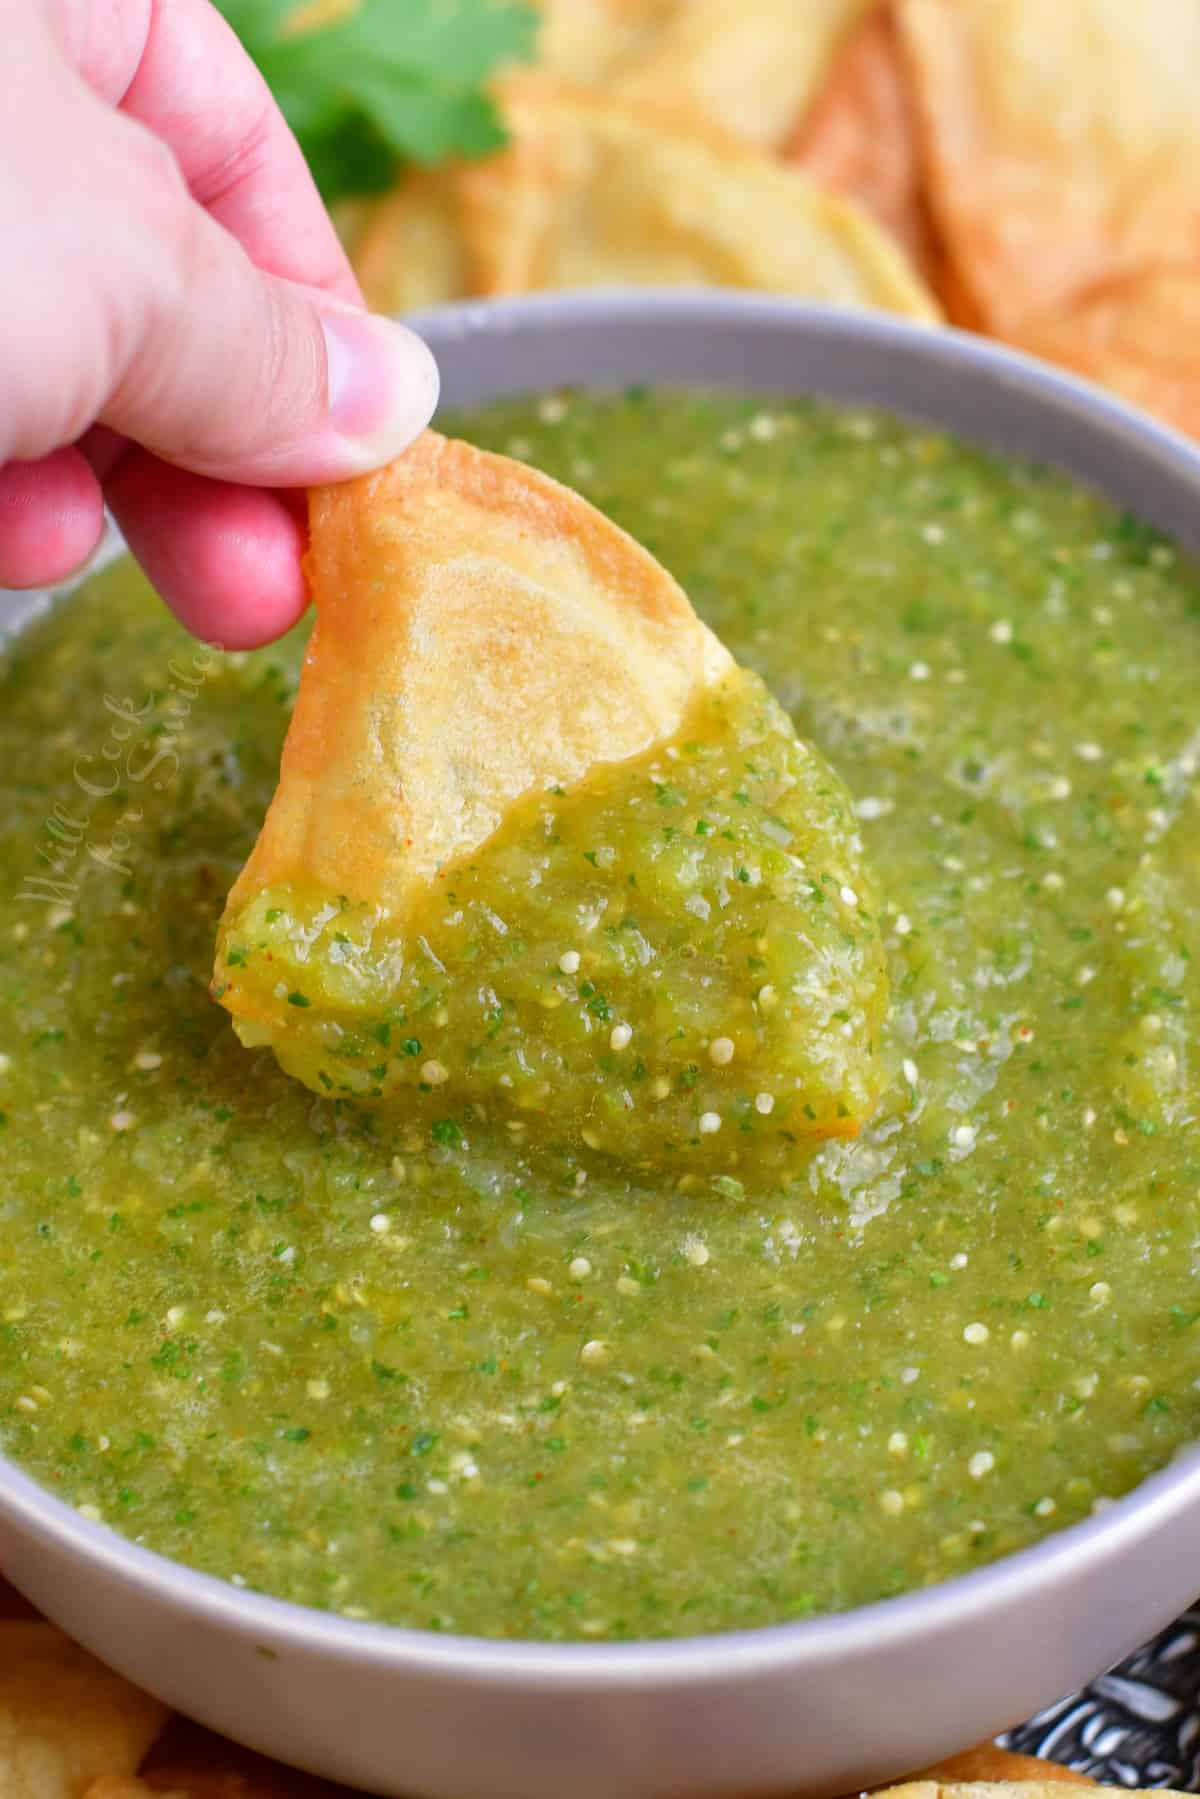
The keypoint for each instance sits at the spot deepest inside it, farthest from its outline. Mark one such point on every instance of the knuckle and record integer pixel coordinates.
(214, 183)
(154, 181)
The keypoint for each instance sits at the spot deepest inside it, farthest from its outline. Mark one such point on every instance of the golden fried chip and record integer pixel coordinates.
(594, 192)
(587, 40)
(189, 1762)
(859, 137)
(1062, 144)
(501, 691)
(409, 250)
(512, 633)
(1048, 1787)
(749, 68)
(1141, 337)
(65, 1719)
(988, 1764)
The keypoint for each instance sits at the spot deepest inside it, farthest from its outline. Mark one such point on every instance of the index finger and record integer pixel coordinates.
(178, 67)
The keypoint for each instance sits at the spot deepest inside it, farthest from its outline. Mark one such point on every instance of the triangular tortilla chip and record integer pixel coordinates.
(749, 69)
(408, 249)
(512, 633)
(1062, 144)
(537, 842)
(588, 40)
(859, 137)
(65, 1719)
(594, 191)
(1049, 1787)
(986, 1763)
(1141, 337)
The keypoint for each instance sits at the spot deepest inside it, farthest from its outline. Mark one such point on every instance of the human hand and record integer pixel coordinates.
(180, 331)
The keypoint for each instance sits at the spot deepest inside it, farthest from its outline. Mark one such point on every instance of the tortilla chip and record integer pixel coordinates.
(1048, 1787)
(189, 1762)
(409, 251)
(749, 68)
(587, 40)
(1062, 144)
(121, 1786)
(593, 192)
(65, 1719)
(859, 138)
(987, 1763)
(509, 634)
(1140, 337)
(498, 674)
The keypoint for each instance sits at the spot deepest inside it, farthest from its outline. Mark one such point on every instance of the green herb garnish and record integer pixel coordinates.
(391, 81)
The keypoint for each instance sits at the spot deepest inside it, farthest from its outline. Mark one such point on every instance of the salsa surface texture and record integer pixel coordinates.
(676, 960)
(433, 1379)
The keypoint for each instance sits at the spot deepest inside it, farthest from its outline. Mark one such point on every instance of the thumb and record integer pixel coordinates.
(235, 373)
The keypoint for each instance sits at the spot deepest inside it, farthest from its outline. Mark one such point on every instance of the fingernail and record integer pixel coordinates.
(383, 384)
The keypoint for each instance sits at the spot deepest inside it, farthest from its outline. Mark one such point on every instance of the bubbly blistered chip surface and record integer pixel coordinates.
(1062, 144)
(597, 190)
(1141, 337)
(859, 137)
(750, 69)
(594, 191)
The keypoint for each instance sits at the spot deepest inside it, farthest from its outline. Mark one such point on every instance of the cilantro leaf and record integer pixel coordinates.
(387, 82)
(348, 155)
(256, 19)
(461, 44)
(427, 125)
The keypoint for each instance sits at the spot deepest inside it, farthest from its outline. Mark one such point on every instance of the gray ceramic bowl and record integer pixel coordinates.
(822, 1707)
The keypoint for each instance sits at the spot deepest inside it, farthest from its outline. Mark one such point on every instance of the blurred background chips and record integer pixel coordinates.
(1060, 147)
(595, 190)
(1027, 170)
(64, 1719)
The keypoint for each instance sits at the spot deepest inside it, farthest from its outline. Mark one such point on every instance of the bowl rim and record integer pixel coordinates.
(1046, 387)
(662, 1663)
(641, 1664)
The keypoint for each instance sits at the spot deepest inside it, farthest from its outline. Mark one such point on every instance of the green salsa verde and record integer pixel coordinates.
(436, 1378)
(677, 962)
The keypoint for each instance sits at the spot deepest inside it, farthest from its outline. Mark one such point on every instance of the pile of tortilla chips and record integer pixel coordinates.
(71, 1729)
(1027, 170)
(595, 190)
